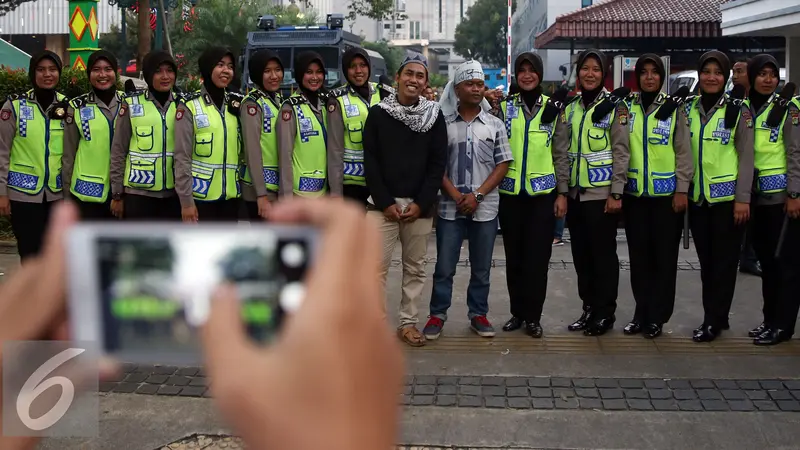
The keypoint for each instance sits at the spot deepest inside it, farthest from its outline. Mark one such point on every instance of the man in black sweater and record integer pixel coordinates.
(405, 153)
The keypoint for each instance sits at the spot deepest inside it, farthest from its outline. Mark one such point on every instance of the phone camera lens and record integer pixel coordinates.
(293, 255)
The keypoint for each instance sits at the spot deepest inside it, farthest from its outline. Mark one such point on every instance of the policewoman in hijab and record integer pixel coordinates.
(31, 141)
(593, 130)
(302, 133)
(142, 177)
(86, 169)
(208, 143)
(722, 145)
(348, 107)
(777, 154)
(261, 107)
(532, 194)
(656, 195)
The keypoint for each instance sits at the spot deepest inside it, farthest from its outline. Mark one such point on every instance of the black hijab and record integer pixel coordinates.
(587, 96)
(529, 97)
(754, 66)
(709, 100)
(256, 66)
(649, 97)
(105, 95)
(347, 59)
(45, 97)
(150, 66)
(206, 63)
(301, 64)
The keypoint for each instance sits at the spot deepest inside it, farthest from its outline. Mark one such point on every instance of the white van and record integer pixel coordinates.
(689, 79)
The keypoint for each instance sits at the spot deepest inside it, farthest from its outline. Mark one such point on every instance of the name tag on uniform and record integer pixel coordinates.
(546, 127)
(305, 126)
(202, 121)
(351, 110)
(268, 113)
(88, 113)
(631, 122)
(26, 112)
(513, 112)
(137, 110)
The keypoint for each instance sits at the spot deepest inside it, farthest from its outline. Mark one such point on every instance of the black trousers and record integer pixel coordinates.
(358, 194)
(717, 240)
(95, 211)
(789, 267)
(654, 233)
(29, 223)
(218, 211)
(749, 254)
(527, 223)
(594, 250)
(143, 208)
(780, 278)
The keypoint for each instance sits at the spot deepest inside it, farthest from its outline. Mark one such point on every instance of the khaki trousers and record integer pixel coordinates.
(414, 243)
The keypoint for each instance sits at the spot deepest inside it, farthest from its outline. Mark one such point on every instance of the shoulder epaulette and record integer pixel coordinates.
(135, 93)
(338, 92)
(13, 97)
(188, 96)
(294, 100)
(632, 97)
(254, 95)
(80, 101)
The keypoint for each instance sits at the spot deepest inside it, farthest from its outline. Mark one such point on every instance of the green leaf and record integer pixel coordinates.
(482, 33)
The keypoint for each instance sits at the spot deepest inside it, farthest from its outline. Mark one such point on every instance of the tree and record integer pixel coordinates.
(482, 34)
(144, 32)
(374, 9)
(6, 6)
(392, 55)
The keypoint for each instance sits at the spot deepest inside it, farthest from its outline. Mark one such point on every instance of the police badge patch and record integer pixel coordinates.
(622, 113)
(179, 114)
(331, 108)
(5, 115)
(122, 110)
(748, 118)
(251, 110)
(69, 119)
(795, 117)
(286, 115)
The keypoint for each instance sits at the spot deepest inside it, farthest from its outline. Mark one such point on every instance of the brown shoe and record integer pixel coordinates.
(411, 336)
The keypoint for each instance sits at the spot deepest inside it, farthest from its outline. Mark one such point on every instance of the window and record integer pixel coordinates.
(387, 26)
(585, 3)
(415, 30)
(400, 5)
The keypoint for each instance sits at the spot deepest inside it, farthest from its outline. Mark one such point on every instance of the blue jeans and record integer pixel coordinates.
(559, 231)
(450, 235)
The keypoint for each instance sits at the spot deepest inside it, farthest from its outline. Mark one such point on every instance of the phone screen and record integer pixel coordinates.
(156, 291)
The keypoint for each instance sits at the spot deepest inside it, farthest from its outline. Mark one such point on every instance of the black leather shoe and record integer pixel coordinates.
(753, 268)
(534, 329)
(599, 327)
(581, 323)
(758, 331)
(706, 333)
(772, 337)
(652, 330)
(514, 323)
(633, 327)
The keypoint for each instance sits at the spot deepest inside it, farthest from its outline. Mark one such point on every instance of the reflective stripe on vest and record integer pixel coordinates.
(354, 112)
(268, 141)
(590, 157)
(91, 173)
(531, 146)
(36, 150)
(770, 153)
(715, 159)
(216, 152)
(309, 158)
(149, 164)
(651, 171)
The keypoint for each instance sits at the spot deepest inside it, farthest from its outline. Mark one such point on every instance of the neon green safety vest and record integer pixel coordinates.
(217, 150)
(715, 157)
(531, 145)
(268, 142)
(309, 158)
(36, 151)
(651, 171)
(91, 173)
(770, 152)
(149, 165)
(590, 157)
(354, 112)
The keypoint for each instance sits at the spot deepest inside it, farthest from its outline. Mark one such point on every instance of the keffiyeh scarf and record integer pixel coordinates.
(419, 117)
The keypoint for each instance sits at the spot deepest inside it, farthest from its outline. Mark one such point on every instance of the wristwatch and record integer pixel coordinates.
(616, 196)
(478, 196)
(794, 195)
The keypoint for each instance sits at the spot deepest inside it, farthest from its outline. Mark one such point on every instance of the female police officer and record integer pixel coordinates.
(88, 136)
(302, 149)
(31, 139)
(659, 175)
(722, 146)
(208, 145)
(260, 110)
(777, 141)
(348, 107)
(533, 194)
(594, 132)
(142, 177)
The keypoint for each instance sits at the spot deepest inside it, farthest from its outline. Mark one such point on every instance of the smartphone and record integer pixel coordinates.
(143, 290)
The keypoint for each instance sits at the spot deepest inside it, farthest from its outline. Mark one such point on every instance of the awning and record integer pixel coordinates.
(13, 58)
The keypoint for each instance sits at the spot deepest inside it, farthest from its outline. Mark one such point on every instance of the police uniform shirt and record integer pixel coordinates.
(8, 131)
(72, 136)
(791, 139)
(620, 149)
(560, 156)
(121, 145)
(252, 127)
(743, 141)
